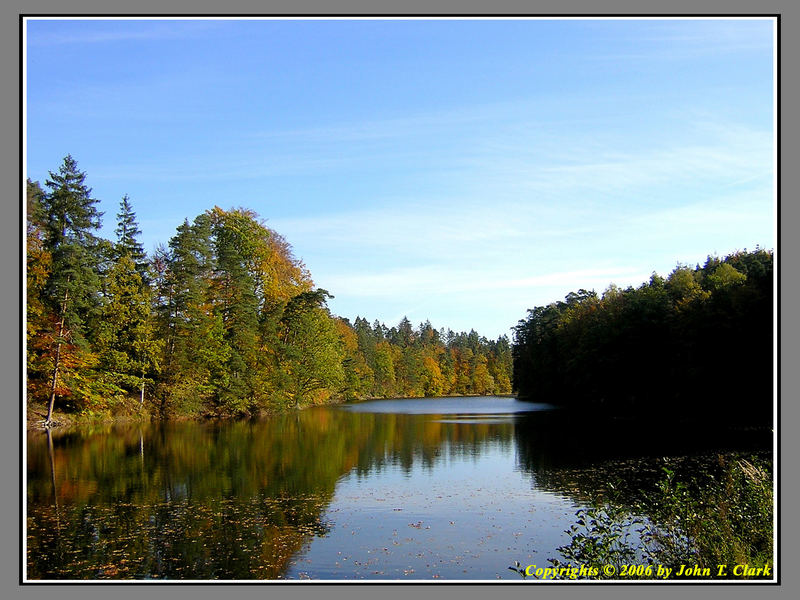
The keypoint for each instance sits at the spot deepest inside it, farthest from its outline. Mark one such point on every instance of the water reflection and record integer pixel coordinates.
(578, 456)
(291, 495)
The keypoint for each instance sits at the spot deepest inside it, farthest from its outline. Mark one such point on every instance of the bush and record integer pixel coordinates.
(727, 520)
(723, 519)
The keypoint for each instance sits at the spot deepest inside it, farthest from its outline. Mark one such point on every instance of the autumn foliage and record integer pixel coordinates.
(223, 320)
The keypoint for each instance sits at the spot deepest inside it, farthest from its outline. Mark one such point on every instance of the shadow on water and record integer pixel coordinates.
(579, 455)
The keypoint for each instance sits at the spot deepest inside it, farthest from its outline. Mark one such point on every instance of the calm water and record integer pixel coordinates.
(451, 488)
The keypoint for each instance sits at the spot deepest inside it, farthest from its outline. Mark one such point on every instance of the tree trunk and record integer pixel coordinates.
(49, 420)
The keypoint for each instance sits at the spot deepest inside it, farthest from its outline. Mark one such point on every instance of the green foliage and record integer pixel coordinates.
(725, 519)
(723, 276)
(70, 218)
(64, 272)
(127, 237)
(720, 519)
(701, 340)
(311, 349)
(223, 320)
(602, 536)
(39, 315)
(404, 361)
(128, 349)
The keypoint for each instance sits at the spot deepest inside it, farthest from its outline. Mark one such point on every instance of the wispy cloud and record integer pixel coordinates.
(495, 167)
(511, 191)
(433, 224)
(704, 152)
(420, 123)
(749, 210)
(438, 280)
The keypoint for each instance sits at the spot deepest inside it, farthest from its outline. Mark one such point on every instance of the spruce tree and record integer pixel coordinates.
(196, 353)
(127, 237)
(238, 242)
(72, 291)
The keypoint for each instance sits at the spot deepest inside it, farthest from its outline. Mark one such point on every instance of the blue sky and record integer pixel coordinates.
(460, 171)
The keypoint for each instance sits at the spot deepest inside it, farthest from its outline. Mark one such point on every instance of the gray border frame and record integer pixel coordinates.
(11, 295)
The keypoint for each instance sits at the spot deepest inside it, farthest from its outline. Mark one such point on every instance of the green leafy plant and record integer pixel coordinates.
(603, 536)
(519, 568)
(722, 519)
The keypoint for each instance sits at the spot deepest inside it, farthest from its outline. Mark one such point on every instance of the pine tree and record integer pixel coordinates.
(70, 217)
(127, 237)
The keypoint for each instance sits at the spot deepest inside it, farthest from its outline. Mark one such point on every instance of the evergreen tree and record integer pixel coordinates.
(39, 265)
(238, 242)
(195, 350)
(127, 347)
(72, 290)
(128, 232)
(311, 351)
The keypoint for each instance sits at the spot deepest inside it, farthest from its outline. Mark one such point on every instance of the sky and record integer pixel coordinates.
(456, 171)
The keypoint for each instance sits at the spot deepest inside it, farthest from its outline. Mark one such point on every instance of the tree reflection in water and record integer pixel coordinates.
(238, 500)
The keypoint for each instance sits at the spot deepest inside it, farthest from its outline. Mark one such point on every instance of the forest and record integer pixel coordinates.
(697, 344)
(223, 320)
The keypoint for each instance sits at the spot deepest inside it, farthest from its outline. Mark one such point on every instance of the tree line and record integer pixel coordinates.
(222, 320)
(698, 343)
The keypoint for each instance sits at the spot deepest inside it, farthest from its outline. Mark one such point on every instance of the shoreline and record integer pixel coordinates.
(35, 415)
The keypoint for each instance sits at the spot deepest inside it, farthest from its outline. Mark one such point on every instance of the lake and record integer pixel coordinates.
(443, 488)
